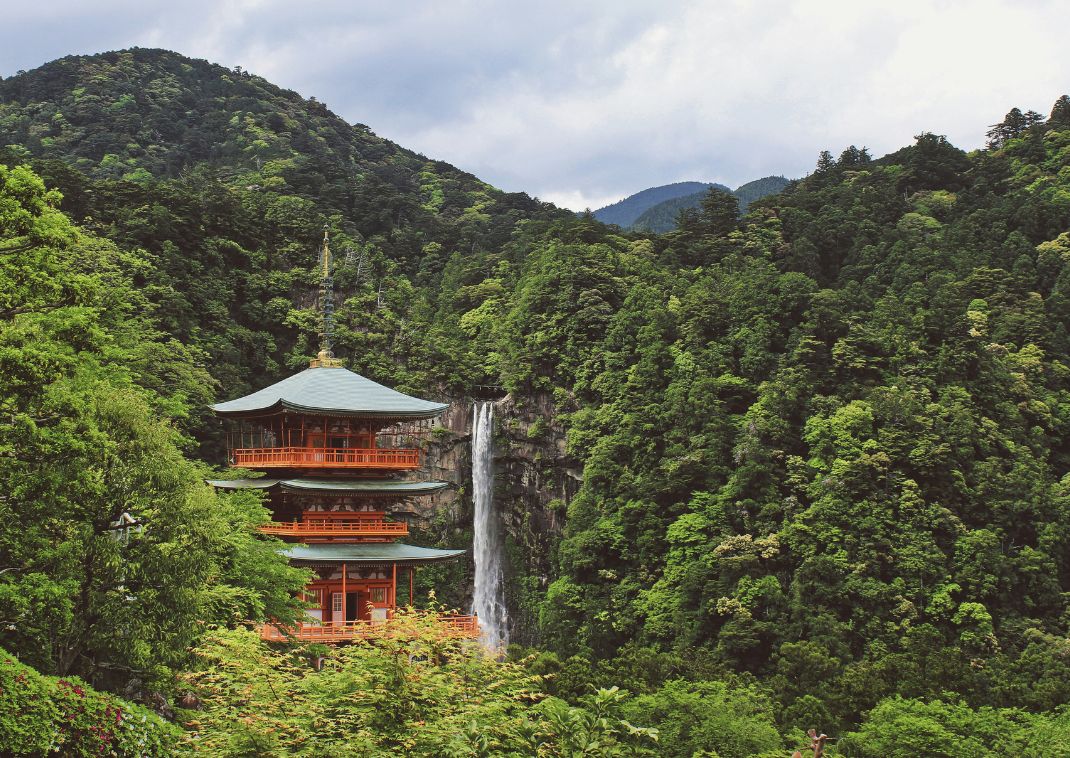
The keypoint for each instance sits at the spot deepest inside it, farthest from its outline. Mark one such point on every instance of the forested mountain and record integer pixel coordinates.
(823, 449)
(624, 212)
(225, 182)
(662, 217)
(143, 113)
(759, 188)
(828, 447)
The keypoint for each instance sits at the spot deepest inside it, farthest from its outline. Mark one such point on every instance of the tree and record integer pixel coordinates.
(704, 718)
(718, 213)
(853, 157)
(1014, 125)
(1060, 114)
(114, 551)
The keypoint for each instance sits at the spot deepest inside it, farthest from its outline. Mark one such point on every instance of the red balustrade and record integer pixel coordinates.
(326, 457)
(328, 528)
(453, 625)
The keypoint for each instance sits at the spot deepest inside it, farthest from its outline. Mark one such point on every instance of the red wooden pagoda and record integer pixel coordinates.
(332, 487)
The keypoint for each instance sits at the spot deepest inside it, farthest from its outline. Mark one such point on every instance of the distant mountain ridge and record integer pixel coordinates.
(655, 209)
(661, 218)
(624, 212)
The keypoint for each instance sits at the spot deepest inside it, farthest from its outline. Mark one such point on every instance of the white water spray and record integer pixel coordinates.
(488, 599)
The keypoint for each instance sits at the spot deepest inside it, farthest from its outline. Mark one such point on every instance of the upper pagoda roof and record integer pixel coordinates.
(333, 391)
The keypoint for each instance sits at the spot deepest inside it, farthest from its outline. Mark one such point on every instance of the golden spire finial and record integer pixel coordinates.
(326, 253)
(325, 358)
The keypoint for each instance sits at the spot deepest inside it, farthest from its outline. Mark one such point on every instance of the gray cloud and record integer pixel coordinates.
(583, 103)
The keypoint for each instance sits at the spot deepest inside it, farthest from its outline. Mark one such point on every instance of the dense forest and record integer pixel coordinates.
(824, 445)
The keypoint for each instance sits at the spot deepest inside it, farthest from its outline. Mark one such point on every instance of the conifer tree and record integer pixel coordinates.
(1060, 114)
(1014, 124)
(720, 213)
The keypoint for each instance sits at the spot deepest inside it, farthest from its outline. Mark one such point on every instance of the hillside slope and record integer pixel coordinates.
(227, 181)
(829, 448)
(143, 113)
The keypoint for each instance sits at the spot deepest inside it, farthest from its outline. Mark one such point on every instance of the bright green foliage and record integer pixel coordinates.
(86, 380)
(593, 729)
(696, 718)
(413, 693)
(899, 728)
(44, 716)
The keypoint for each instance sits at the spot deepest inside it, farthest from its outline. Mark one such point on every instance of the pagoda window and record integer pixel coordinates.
(313, 434)
(378, 594)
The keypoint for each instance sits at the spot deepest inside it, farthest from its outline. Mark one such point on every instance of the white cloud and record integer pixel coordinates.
(583, 103)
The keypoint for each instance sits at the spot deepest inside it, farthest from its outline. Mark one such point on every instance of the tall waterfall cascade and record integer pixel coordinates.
(488, 599)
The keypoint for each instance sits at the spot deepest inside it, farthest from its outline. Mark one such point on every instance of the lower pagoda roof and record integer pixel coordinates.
(358, 487)
(370, 552)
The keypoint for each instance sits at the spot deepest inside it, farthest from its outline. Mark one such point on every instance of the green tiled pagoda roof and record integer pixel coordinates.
(361, 487)
(333, 391)
(370, 552)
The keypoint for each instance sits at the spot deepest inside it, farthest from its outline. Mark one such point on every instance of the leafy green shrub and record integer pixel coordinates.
(44, 715)
(693, 717)
(904, 728)
(410, 693)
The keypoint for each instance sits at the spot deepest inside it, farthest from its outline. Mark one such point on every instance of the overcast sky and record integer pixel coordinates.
(583, 103)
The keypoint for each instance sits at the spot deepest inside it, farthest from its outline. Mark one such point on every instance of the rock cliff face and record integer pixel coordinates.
(535, 479)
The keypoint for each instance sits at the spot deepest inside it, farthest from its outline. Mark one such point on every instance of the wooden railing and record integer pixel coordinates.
(326, 457)
(453, 625)
(337, 527)
(462, 626)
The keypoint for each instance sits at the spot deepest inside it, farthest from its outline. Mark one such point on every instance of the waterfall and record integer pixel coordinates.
(488, 599)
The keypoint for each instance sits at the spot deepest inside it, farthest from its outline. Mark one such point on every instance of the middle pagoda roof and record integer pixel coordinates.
(355, 486)
(333, 391)
(368, 553)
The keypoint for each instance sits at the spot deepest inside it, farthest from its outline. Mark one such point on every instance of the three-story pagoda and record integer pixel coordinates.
(332, 487)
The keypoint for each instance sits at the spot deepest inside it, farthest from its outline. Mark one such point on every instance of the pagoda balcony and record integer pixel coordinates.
(398, 459)
(313, 529)
(451, 626)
